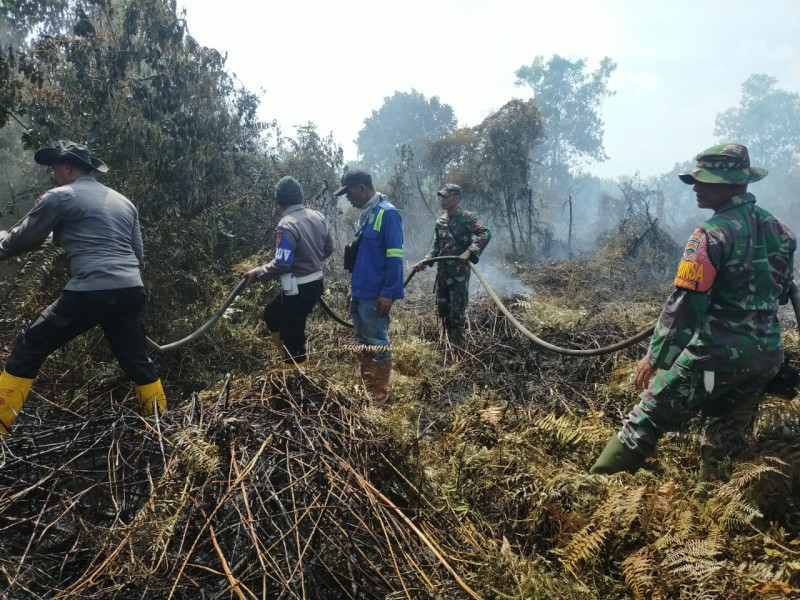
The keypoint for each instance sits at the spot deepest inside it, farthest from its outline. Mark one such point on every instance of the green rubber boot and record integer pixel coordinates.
(616, 458)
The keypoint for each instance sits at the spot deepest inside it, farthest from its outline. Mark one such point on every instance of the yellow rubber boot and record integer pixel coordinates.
(13, 392)
(149, 396)
(276, 340)
(287, 364)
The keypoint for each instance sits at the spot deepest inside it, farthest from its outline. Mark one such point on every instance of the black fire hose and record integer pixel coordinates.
(329, 311)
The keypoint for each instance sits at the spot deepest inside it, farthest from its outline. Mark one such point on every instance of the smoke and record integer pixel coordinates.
(495, 267)
(501, 281)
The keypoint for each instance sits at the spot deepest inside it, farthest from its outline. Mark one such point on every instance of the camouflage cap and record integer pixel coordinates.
(724, 163)
(451, 189)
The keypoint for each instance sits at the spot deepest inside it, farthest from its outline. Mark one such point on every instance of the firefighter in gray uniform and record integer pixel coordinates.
(303, 242)
(98, 228)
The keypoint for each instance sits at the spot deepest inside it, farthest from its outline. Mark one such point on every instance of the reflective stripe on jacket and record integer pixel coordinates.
(379, 264)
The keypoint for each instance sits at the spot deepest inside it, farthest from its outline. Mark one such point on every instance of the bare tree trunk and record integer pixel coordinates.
(569, 235)
(510, 219)
(424, 199)
(530, 219)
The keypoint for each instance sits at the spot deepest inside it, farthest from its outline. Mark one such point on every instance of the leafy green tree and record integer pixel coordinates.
(767, 121)
(162, 108)
(569, 98)
(491, 162)
(181, 137)
(317, 163)
(405, 118)
(10, 86)
(509, 136)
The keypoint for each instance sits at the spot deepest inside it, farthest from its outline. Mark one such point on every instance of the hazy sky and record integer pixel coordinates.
(680, 62)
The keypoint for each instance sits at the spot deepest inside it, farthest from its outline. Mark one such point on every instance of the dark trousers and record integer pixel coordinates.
(116, 311)
(287, 316)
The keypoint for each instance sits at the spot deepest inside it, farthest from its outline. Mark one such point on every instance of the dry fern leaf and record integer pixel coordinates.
(570, 431)
(492, 415)
(563, 428)
(364, 348)
(749, 473)
(773, 589)
(730, 505)
(778, 413)
(617, 513)
(639, 570)
(629, 506)
(585, 545)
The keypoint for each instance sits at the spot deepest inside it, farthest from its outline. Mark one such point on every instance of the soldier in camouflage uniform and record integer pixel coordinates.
(718, 340)
(457, 233)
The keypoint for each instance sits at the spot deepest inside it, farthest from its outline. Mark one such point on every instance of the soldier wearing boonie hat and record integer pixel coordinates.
(98, 228)
(717, 343)
(726, 164)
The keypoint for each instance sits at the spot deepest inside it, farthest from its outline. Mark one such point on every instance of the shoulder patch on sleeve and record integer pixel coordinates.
(696, 272)
(284, 251)
(36, 202)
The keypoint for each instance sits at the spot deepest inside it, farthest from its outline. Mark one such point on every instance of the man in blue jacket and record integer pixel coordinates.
(377, 277)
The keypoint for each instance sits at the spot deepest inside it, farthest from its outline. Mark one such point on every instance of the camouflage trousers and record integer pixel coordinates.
(676, 395)
(452, 298)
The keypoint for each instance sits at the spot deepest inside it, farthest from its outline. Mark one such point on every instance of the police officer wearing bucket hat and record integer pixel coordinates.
(98, 228)
(303, 242)
(717, 343)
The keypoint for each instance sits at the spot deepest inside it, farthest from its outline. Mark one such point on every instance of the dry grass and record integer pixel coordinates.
(471, 483)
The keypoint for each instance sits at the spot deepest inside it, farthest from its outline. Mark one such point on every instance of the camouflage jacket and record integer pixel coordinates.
(736, 269)
(454, 235)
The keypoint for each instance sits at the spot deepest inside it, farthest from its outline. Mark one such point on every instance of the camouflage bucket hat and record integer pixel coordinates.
(724, 163)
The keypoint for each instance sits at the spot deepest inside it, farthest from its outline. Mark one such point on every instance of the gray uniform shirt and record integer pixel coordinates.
(97, 227)
(303, 241)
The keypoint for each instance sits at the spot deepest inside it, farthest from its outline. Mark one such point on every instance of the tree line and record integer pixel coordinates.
(127, 78)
